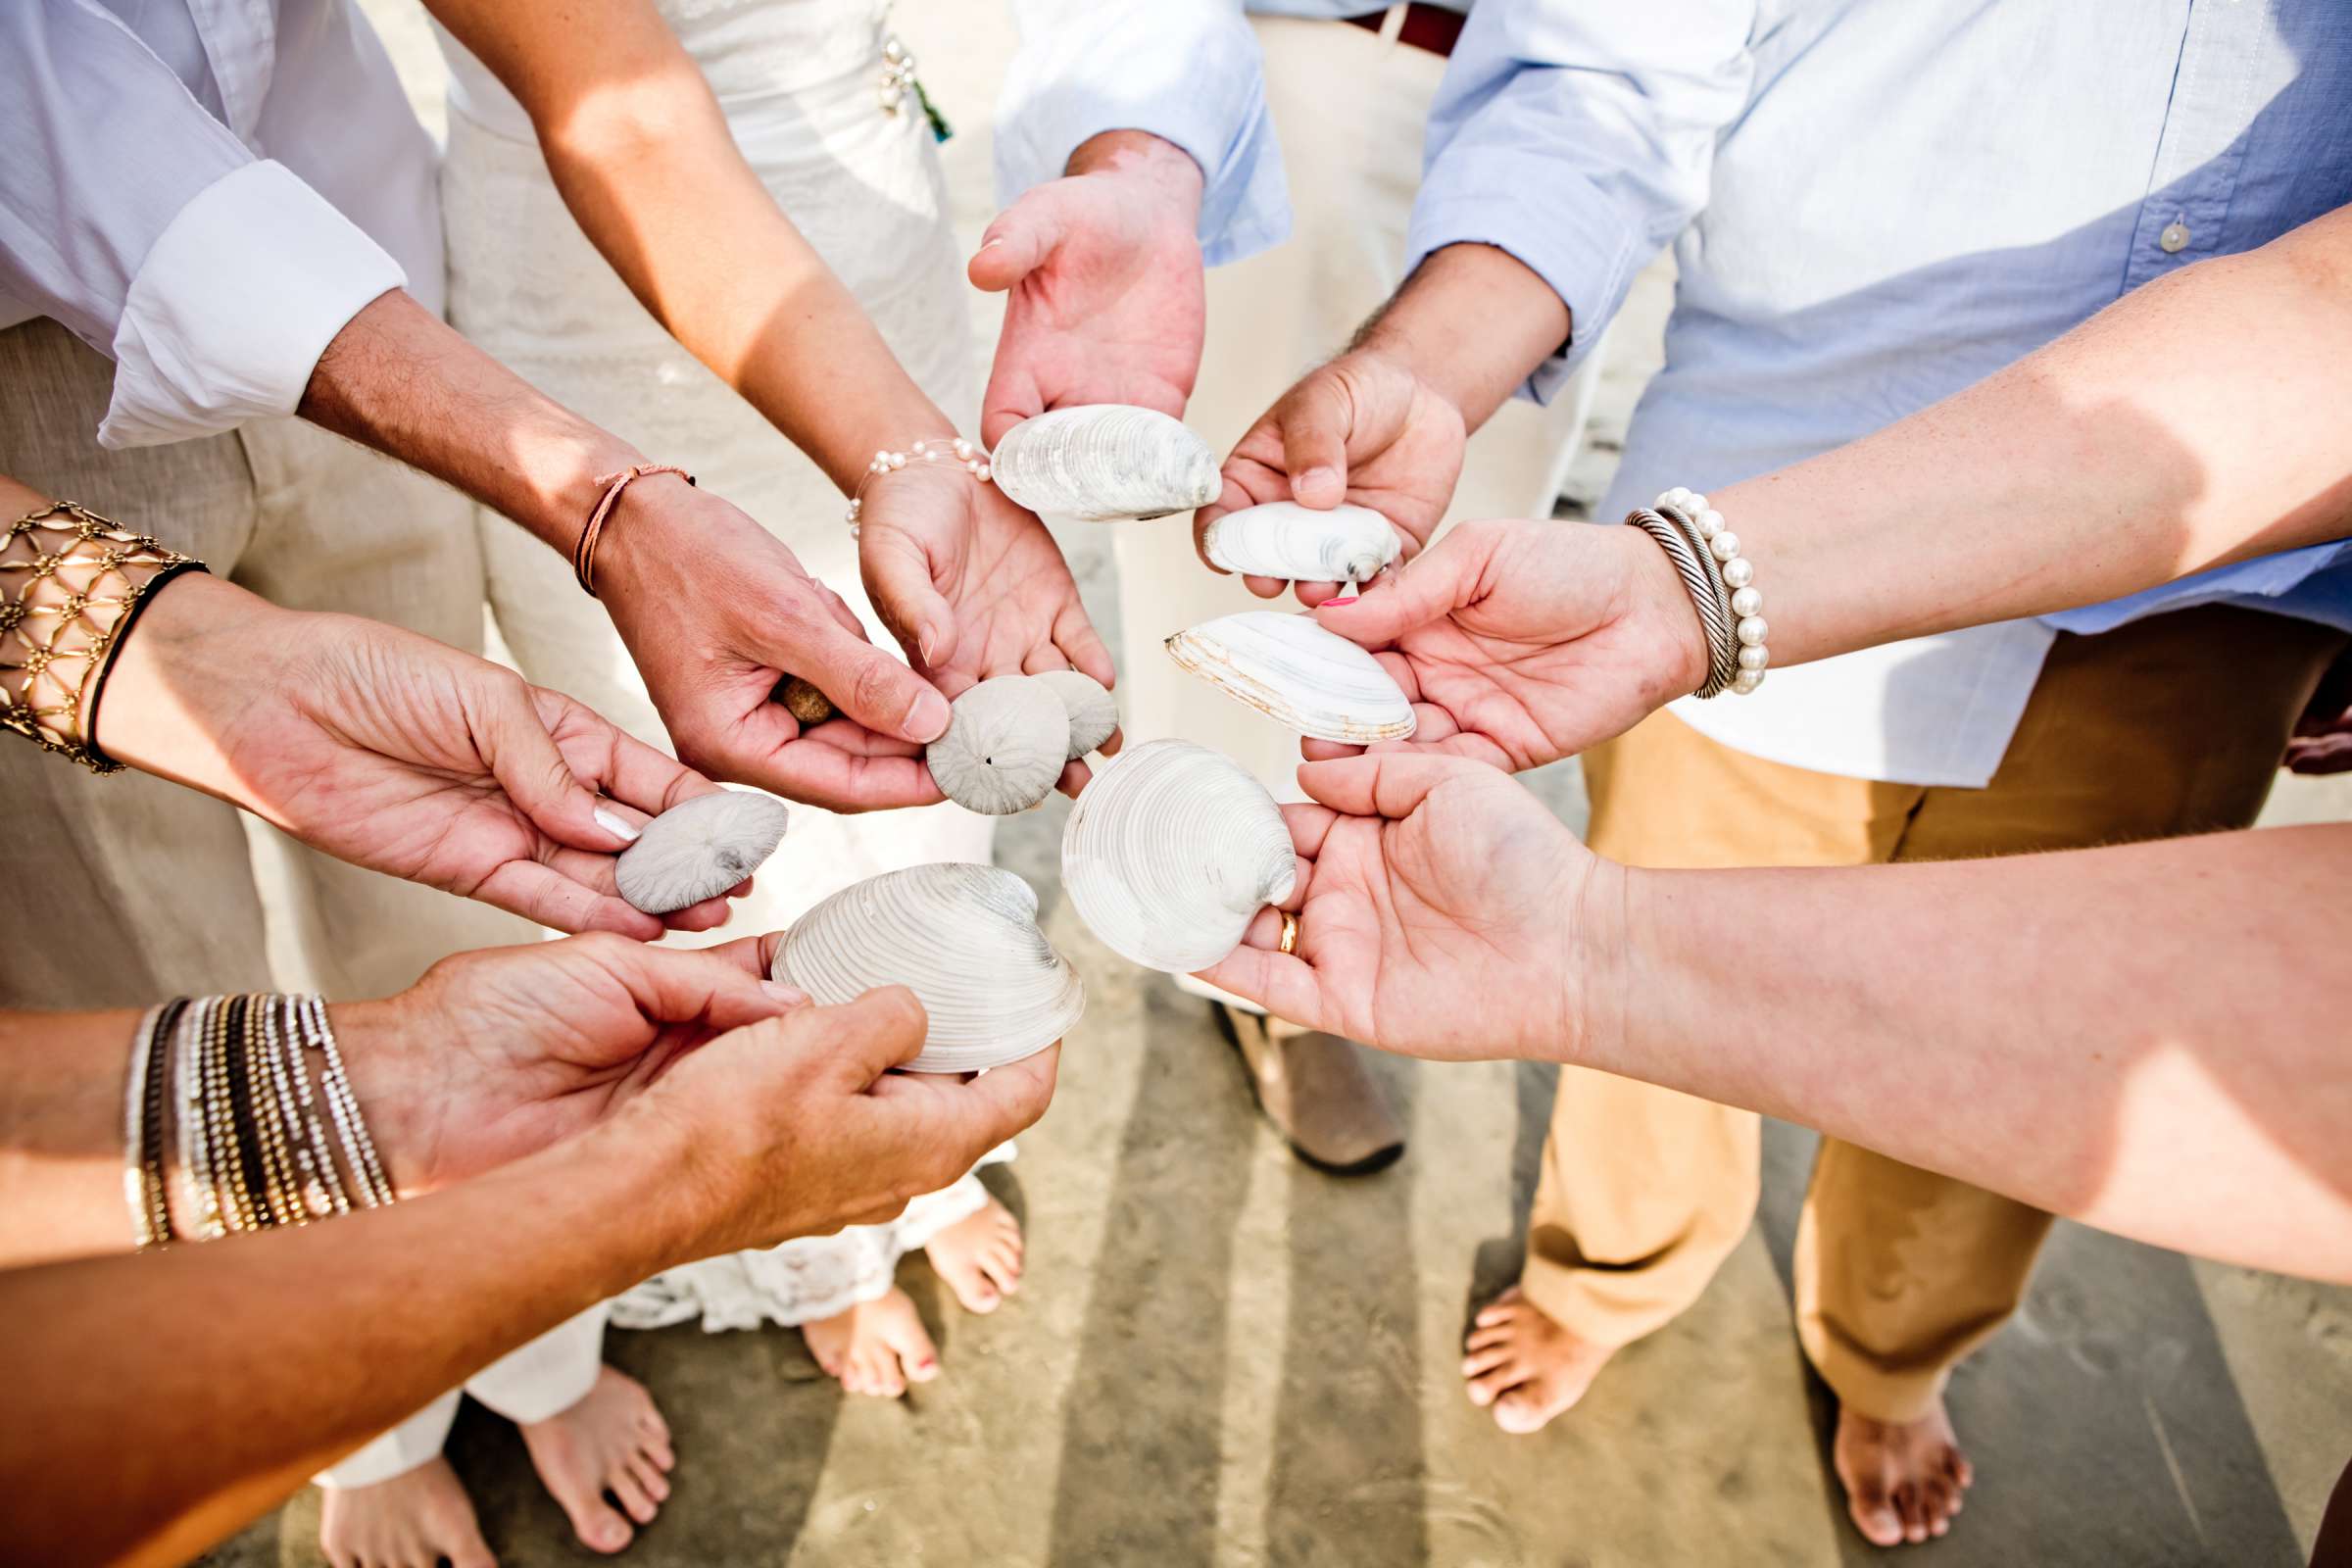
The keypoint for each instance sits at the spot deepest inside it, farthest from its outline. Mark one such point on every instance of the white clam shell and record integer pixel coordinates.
(1093, 712)
(1311, 681)
(1100, 460)
(1298, 544)
(1005, 743)
(963, 939)
(1170, 852)
(698, 848)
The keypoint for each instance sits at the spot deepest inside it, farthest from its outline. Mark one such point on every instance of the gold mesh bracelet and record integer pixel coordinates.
(71, 585)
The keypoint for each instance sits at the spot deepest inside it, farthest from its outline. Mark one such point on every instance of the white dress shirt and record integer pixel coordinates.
(207, 191)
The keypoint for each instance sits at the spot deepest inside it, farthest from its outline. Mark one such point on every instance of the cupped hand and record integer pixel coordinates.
(1104, 282)
(497, 1054)
(395, 752)
(973, 585)
(1524, 641)
(797, 1126)
(718, 614)
(1436, 913)
(1363, 429)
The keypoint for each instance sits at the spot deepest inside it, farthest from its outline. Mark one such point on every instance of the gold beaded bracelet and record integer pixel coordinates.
(71, 585)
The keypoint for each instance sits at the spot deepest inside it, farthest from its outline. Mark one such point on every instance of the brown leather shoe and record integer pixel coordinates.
(1316, 1088)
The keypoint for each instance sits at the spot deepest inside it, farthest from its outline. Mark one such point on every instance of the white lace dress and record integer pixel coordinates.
(807, 92)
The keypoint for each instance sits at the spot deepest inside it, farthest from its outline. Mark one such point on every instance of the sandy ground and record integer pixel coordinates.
(1225, 1358)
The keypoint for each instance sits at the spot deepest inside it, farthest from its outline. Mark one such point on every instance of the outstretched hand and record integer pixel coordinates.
(1429, 880)
(1521, 642)
(1364, 428)
(395, 752)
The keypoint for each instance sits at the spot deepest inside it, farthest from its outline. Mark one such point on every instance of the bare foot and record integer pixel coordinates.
(613, 1441)
(1525, 1365)
(980, 1257)
(412, 1521)
(1903, 1480)
(876, 1346)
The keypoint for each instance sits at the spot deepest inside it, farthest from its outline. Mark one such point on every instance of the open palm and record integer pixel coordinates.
(1434, 916)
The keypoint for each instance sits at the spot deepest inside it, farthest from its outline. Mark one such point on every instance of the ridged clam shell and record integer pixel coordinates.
(1311, 681)
(1005, 743)
(1093, 712)
(963, 939)
(1100, 460)
(1170, 852)
(1298, 544)
(698, 848)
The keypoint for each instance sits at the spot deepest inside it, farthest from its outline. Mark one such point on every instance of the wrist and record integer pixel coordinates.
(1471, 323)
(396, 1099)
(1597, 962)
(196, 660)
(1659, 602)
(1149, 163)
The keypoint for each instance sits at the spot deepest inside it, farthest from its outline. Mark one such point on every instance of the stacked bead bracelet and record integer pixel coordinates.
(232, 1076)
(931, 449)
(1721, 587)
(71, 585)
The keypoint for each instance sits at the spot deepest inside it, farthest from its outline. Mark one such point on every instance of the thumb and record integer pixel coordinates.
(897, 580)
(1017, 244)
(1431, 586)
(1313, 420)
(882, 1029)
(1390, 784)
(524, 758)
(874, 688)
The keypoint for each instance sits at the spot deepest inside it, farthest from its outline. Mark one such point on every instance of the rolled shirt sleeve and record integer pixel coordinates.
(137, 220)
(1579, 139)
(1186, 70)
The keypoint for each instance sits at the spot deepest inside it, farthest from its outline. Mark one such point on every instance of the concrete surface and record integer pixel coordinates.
(1225, 1358)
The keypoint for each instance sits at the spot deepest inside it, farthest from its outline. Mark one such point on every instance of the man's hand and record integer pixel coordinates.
(717, 613)
(395, 752)
(499, 1053)
(972, 585)
(1364, 428)
(1521, 642)
(1430, 880)
(1103, 272)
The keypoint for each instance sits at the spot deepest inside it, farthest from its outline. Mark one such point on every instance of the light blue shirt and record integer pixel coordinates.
(1873, 204)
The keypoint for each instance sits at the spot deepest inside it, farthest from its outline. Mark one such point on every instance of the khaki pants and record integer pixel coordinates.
(144, 888)
(2168, 727)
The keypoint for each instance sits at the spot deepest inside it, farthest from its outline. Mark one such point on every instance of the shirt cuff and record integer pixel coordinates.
(1205, 95)
(1578, 239)
(233, 305)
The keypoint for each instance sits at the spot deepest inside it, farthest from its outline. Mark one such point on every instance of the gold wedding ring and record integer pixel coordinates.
(1290, 932)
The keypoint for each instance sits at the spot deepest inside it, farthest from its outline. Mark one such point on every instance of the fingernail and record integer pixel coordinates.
(1349, 600)
(788, 996)
(927, 717)
(1318, 476)
(617, 827)
(922, 646)
(992, 243)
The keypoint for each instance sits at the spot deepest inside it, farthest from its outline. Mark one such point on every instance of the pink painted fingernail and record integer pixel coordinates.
(1349, 600)
(614, 826)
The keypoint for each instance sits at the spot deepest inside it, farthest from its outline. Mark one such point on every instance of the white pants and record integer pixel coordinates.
(1349, 109)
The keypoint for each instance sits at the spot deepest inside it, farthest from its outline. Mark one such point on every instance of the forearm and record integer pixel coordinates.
(1473, 322)
(233, 1407)
(2147, 1039)
(2197, 420)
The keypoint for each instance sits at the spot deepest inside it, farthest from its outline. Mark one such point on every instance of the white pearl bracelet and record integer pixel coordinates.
(1738, 629)
(931, 449)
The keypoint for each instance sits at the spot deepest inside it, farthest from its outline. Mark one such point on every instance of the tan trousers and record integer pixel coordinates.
(2169, 726)
(147, 889)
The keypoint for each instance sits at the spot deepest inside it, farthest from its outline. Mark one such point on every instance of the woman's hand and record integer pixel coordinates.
(1521, 642)
(395, 752)
(718, 612)
(502, 1053)
(973, 585)
(1439, 911)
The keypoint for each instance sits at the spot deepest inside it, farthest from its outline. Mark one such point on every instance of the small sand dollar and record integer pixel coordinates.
(698, 848)
(1007, 740)
(1094, 714)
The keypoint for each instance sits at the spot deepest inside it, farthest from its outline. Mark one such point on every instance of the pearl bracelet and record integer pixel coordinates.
(1742, 651)
(931, 449)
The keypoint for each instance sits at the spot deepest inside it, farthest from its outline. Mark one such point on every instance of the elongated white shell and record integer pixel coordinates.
(1298, 544)
(698, 848)
(1005, 743)
(1311, 681)
(1100, 460)
(1170, 851)
(963, 939)
(1092, 713)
